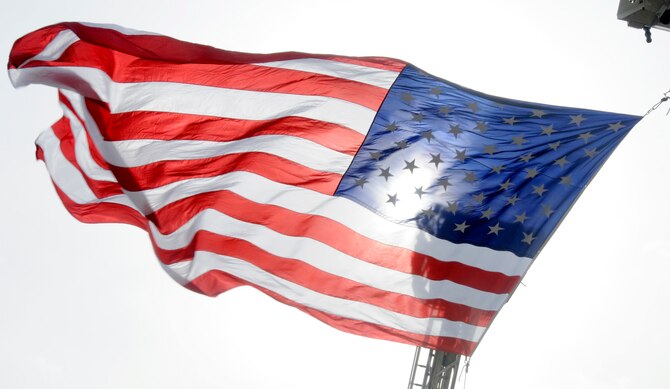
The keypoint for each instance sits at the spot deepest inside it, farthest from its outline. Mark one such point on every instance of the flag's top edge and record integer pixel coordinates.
(508, 101)
(155, 46)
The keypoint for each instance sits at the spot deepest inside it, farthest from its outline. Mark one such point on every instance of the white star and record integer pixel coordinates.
(531, 173)
(489, 149)
(561, 161)
(518, 140)
(444, 182)
(392, 199)
(392, 126)
(427, 135)
(577, 119)
(455, 129)
(616, 126)
(547, 210)
(436, 160)
(487, 214)
(498, 169)
(410, 166)
(460, 155)
(495, 229)
(452, 207)
(506, 185)
(539, 190)
(479, 198)
(548, 130)
(461, 227)
(521, 218)
(511, 121)
(428, 212)
(445, 110)
(401, 144)
(591, 153)
(418, 116)
(361, 181)
(586, 136)
(386, 173)
(512, 200)
(538, 113)
(526, 158)
(482, 126)
(528, 238)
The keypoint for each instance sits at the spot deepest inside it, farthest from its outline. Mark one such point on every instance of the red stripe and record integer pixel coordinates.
(165, 172)
(98, 212)
(63, 132)
(125, 69)
(95, 153)
(294, 271)
(215, 282)
(32, 44)
(320, 281)
(39, 153)
(173, 126)
(170, 49)
(101, 212)
(329, 232)
(267, 165)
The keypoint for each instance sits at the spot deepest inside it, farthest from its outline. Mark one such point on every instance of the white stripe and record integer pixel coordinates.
(204, 262)
(93, 83)
(341, 210)
(121, 29)
(367, 75)
(142, 152)
(302, 151)
(64, 39)
(67, 177)
(196, 99)
(79, 105)
(237, 104)
(344, 211)
(83, 152)
(55, 48)
(328, 259)
(71, 182)
(62, 172)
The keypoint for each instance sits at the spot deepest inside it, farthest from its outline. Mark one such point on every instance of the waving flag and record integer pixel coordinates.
(379, 199)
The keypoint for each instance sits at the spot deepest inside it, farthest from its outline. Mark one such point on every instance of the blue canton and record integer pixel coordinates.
(478, 169)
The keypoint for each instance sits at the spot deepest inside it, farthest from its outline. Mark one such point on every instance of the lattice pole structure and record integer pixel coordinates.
(439, 370)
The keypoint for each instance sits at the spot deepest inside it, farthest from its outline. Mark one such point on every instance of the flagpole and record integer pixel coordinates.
(439, 370)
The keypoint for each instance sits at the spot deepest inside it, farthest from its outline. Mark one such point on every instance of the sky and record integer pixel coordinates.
(88, 306)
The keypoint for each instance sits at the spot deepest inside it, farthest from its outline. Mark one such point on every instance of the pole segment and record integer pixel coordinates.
(439, 370)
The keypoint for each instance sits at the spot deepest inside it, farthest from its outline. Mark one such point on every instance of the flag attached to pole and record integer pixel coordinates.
(377, 198)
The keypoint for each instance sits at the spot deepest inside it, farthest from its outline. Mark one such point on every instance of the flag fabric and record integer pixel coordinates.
(375, 197)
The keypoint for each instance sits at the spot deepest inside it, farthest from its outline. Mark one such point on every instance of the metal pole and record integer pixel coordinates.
(440, 370)
(445, 370)
(414, 366)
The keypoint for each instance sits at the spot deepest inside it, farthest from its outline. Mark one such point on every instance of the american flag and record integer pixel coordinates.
(375, 197)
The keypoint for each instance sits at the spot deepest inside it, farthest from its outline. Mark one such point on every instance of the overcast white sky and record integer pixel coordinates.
(87, 306)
